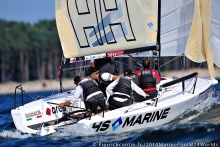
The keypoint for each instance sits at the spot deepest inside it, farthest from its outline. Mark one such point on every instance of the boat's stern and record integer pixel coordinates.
(31, 117)
(20, 121)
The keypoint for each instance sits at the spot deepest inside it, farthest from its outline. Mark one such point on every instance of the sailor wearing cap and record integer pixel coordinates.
(102, 79)
(89, 92)
(121, 90)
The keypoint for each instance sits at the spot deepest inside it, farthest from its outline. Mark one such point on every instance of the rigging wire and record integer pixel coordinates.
(33, 97)
(171, 60)
(127, 64)
(81, 68)
(175, 13)
(184, 56)
(181, 62)
(30, 96)
(54, 90)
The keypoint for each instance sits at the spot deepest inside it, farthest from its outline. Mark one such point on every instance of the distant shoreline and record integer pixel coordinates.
(50, 85)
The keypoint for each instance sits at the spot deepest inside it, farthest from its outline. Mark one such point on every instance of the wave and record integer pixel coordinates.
(8, 134)
(73, 130)
(179, 133)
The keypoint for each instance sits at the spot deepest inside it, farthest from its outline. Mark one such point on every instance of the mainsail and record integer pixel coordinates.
(89, 27)
(190, 27)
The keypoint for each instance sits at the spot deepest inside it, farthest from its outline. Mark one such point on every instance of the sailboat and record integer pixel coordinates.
(150, 28)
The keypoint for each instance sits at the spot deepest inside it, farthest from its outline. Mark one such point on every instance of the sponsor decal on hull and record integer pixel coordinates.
(117, 123)
(48, 111)
(31, 114)
(57, 109)
(34, 113)
(39, 116)
(28, 119)
(132, 121)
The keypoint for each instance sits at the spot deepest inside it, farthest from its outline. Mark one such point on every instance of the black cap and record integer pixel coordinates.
(77, 79)
(91, 70)
(128, 72)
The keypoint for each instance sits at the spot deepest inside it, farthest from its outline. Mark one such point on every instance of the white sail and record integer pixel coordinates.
(93, 27)
(176, 22)
(88, 27)
(215, 31)
(176, 25)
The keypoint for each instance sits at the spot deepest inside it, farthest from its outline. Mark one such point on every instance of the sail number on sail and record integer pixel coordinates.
(109, 19)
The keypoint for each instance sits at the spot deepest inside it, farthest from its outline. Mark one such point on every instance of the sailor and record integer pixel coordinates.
(148, 79)
(103, 77)
(91, 94)
(121, 90)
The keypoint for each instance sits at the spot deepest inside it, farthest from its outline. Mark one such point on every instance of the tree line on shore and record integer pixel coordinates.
(33, 52)
(28, 52)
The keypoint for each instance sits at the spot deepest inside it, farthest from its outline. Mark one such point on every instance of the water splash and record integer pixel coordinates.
(199, 111)
(6, 134)
(207, 103)
(73, 130)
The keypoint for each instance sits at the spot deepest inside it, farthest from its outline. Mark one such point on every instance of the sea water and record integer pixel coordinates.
(199, 127)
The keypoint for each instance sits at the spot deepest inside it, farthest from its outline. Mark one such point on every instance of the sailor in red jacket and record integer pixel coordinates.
(148, 79)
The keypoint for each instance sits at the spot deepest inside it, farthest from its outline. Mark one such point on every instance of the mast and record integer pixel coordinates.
(156, 53)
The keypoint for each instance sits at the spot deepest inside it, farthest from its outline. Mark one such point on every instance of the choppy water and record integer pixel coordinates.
(200, 127)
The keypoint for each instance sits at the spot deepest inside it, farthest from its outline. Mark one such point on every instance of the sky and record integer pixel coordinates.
(28, 11)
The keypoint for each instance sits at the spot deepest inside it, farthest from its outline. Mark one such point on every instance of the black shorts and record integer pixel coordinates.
(95, 101)
(153, 94)
(116, 104)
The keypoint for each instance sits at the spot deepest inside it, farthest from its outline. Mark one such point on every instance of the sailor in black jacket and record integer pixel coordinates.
(121, 90)
(89, 92)
(102, 77)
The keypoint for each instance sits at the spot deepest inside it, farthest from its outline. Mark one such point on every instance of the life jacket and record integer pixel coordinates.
(123, 86)
(146, 79)
(105, 68)
(89, 87)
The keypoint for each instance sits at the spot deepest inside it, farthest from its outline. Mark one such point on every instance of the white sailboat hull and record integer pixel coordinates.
(172, 102)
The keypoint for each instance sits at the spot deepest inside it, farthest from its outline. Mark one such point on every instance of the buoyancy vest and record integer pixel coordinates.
(123, 86)
(146, 79)
(89, 87)
(105, 68)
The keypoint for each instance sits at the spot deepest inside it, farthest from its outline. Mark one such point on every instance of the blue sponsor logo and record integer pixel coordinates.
(111, 17)
(150, 25)
(117, 123)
